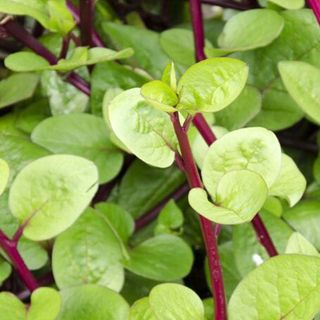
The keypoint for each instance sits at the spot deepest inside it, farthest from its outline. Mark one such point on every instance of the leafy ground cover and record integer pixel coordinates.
(159, 160)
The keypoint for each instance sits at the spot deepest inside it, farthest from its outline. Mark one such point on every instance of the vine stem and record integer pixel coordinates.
(86, 22)
(244, 5)
(13, 28)
(96, 39)
(11, 249)
(205, 130)
(209, 234)
(315, 6)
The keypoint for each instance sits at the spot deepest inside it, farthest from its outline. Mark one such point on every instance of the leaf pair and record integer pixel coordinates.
(79, 254)
(207, 86)
(239, 171)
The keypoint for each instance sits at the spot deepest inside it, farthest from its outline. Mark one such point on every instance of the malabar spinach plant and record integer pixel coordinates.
(159, 160)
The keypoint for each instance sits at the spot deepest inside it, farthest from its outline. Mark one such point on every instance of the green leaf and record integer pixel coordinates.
(53, 14)
(298, 244)
(248, 252)
(81, 56)
(301, 35)
(240, 195)
(119, 218)
(254, 149)
(211, 85)
(5, 271)
(82, 135)
(145, 131)
(289, 4)
(174, 301)
(170, 218)
(160, 95)
(301, 80)
(143, 187)
(182, 50)
(4, 175)
(141, 310)
(88, 252)
(18, 151)
(98, 302)
(290, 184)
(63, 97)
(16, 88)
(241, 111)
(304, 218)
(50, 193)
(110, 75)
(33, 254)
(278, 280)
(251, 29)
(11, 308)
(162, 258)
(45, 304)
(145, 43)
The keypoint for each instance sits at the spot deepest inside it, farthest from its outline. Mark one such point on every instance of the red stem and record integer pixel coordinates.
(10, 248)
(315, 6)
(18, 32)
(209, 234)
(154, 212)
(96, 40)
(205, 130)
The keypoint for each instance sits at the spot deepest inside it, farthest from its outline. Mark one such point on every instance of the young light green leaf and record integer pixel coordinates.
(301, 80)
(289, 4)
(52, 14)
(278, 280)
(96, 301)
(169, 76)
(211, 85)
(251, 29)
(17, 87)
(160, 95)
(49, 194)
(255, 149)
(170, 218)
(119, 218)
(174, 301)
(141, 310)
(4, 175)
(11, 308)
(178, 44)
(145, 131)
(290, 184)
(241, 111)
(163, 258)
(240, 195)
(82, 56)
(45, 304)
(82, 135)
(79, 254)
(298, 244)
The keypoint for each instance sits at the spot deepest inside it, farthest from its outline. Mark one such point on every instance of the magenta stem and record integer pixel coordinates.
(206, 132)
(11, 250)
(86, 22)
(208, 232)
(315, 6)
(96, 40)
(148, 217)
